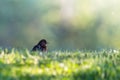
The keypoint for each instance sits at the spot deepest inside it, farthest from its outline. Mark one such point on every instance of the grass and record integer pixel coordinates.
(25, 65)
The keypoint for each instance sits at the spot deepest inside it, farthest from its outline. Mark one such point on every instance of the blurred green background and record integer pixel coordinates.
(66, 24)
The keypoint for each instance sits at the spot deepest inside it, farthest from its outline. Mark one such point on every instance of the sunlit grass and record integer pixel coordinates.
(57, 65)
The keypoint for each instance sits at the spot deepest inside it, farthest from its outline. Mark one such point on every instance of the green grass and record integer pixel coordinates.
(25, 65)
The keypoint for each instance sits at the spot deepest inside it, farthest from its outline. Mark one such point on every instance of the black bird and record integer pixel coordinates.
(41, 46)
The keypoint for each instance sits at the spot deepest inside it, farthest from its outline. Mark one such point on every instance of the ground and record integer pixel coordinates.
(57, 65)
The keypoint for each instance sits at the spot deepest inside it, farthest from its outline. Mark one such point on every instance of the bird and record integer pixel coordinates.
(41, 46)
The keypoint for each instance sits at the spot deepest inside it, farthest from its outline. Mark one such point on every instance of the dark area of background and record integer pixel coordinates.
(66, 24)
